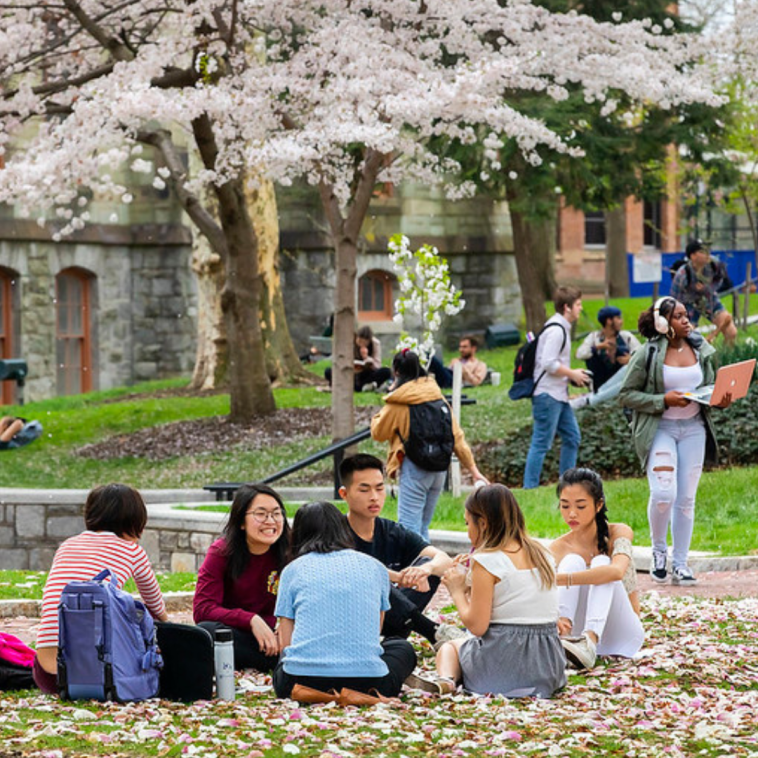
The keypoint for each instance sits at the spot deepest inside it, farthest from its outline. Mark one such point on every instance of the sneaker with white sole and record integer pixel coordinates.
(683, 575)
(435, 685)
(582, 653)
(580, 401)
(658, 571)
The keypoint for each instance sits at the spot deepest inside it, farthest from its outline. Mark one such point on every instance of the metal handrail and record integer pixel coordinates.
(336, 449)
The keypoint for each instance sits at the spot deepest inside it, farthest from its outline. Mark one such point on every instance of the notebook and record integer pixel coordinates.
(734, 378)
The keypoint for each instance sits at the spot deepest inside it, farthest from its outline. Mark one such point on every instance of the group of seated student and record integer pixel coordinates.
(330, 603)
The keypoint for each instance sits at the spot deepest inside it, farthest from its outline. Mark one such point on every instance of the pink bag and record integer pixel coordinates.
(13, 650)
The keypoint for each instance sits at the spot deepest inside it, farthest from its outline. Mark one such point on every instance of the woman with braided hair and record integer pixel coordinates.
(597, 581)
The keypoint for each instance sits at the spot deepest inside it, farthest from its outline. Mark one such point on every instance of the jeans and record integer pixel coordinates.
(398, 655)
(609, 389)
(405, 602)
(417, 496)
(674, 467)
(604, 609)
(551, 416)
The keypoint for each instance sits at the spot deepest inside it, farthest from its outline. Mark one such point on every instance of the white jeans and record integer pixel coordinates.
(674, 467)
(604, 609)
(609, 390)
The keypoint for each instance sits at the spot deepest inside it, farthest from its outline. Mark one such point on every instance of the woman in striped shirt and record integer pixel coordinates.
(115, 517)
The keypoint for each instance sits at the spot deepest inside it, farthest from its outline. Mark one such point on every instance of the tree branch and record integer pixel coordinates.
(112, 44)
(372, 164)
(202, 218)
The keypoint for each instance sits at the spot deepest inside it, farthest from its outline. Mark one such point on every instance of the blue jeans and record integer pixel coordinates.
(551, 416)
(417, 497)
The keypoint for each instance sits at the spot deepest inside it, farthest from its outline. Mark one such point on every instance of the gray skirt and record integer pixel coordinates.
(514, 660)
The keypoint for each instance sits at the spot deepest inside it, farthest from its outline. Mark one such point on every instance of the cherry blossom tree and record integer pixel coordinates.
(344, 93)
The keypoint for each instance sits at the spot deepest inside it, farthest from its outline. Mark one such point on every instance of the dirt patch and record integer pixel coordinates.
(217, 434)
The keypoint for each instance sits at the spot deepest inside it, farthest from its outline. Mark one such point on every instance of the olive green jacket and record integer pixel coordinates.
(643, 392)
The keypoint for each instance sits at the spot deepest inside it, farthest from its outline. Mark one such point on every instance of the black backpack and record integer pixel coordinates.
(430, 440)
(524, 383)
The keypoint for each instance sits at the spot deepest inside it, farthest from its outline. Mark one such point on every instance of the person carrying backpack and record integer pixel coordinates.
(550, 402)
(423, 434)
(114, 516)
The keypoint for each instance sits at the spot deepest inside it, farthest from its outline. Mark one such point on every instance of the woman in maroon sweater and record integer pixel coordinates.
(238, 581)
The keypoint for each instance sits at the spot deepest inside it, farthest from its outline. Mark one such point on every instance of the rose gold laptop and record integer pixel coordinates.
(734, 378)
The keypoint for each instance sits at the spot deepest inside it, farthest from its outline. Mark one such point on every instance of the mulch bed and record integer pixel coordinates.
(209, 435)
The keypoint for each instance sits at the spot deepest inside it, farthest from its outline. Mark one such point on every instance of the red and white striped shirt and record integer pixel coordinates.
(82, 557)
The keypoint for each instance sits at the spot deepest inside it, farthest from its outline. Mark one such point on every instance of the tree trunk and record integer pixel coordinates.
(249, 385)
(282, 362)
(211, 357)
(345, 231)
(527, 237)
(616, 267)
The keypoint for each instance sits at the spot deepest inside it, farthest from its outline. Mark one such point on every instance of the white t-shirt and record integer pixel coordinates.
(682, 379)
(550, 356)
(519, 597)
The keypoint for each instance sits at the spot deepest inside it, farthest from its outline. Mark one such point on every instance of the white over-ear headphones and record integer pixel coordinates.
(661, 323)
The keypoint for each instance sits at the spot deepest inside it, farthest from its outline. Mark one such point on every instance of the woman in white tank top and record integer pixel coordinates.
(673, 436)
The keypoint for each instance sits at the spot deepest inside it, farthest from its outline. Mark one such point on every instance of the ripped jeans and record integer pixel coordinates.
(673, 472)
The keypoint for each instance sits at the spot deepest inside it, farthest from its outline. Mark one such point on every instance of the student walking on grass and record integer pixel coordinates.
(115, 517)
(598, 600)
(237, 583)
(508, 600)
(417, 396)
(673, 436)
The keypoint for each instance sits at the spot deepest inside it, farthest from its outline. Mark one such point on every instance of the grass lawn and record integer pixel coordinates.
(694, 693)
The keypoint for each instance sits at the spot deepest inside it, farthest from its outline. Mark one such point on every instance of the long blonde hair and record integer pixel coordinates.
(498, 514)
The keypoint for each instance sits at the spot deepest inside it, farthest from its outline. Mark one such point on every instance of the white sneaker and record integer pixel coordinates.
(580, 401)
(435, 685)
(683, 575)
(582, 653)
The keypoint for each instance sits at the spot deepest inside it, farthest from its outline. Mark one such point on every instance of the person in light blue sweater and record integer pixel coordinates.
(330, 606)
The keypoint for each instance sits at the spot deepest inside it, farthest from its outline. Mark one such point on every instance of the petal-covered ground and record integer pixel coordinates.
(693, 692)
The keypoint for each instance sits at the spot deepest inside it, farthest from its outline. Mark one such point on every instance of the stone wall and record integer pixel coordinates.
(143, 307)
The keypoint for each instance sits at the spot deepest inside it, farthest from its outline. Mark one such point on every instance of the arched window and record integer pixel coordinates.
(73, 333)
(375, 296)
(7, 329)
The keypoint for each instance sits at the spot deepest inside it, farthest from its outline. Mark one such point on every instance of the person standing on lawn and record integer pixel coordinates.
(413, 565)
(238, 581)
(673, 436)
(551, 411)
(420, 486)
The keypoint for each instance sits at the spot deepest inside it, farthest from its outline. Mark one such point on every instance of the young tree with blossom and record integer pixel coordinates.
(344, 93)
(426, 294)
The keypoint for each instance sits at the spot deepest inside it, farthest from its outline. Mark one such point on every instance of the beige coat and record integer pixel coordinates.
(393, 422)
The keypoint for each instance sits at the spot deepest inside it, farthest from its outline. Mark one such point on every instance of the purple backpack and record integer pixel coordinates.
(107, 644)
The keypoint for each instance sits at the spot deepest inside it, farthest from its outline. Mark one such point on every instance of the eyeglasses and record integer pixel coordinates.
(261, 517)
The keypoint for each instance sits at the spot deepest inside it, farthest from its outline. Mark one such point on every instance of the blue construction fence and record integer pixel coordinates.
(736, 264)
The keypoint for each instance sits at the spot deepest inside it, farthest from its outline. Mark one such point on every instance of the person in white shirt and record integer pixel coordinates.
(550, 403)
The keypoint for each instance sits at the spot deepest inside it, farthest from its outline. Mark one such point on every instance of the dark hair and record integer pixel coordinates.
(472, 340)
(646, 321)
(236, 549)
(593, 485)
(407, 366)
(496, 505)
(115, 508)
(359, 462)
(363, 333)
(565, 296)
(320, 528)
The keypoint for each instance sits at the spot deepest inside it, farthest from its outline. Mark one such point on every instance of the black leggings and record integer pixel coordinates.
(247, 651)
(396, 653)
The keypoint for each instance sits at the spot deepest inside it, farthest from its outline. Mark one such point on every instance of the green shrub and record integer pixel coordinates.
(607, 443)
